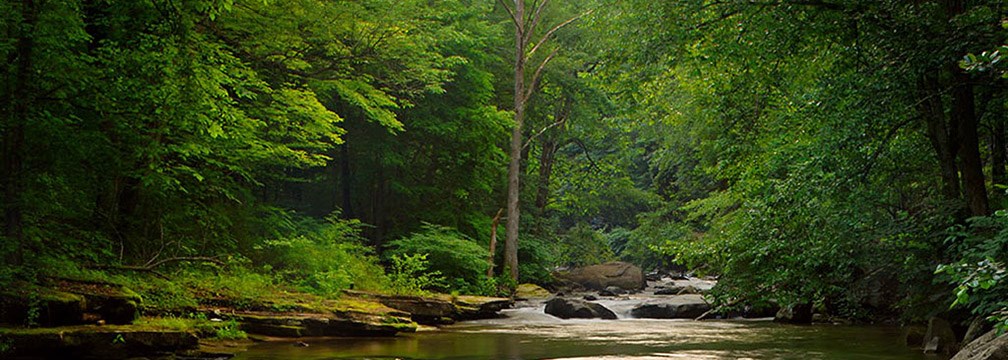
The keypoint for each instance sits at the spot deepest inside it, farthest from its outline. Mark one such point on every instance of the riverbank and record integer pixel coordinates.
(95, 319)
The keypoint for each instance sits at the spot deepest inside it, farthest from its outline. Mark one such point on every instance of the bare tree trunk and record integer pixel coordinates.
(514, 167)
(345, 180)
(18, 104)
(493, 242)
(944, 139)
(546, 160)
(964, 110)
(997, 146)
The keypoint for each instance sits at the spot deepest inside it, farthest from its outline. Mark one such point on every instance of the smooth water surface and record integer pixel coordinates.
(527, 333)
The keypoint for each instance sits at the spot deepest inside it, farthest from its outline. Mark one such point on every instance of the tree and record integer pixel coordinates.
(524, 29)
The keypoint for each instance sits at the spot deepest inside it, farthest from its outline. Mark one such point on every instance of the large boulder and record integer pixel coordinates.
(990, 346)
(575, 308)
(598, 277)
(676, 307)
(939, 337)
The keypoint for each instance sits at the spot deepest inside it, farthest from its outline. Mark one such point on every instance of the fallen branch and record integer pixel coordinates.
(151, 267)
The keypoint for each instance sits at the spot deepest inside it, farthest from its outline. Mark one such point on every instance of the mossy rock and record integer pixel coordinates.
(42, 307)
(101, 342)
(531, 291)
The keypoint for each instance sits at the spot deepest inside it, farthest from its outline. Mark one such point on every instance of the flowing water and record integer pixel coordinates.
(528, 333)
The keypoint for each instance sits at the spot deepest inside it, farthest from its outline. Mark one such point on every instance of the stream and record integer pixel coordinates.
(526, 332)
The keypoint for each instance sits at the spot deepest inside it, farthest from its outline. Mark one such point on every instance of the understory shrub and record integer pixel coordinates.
(459, 259)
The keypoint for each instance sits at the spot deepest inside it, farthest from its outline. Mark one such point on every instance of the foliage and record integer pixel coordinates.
(460, 260)
(230, 331)
(582, 246)
(979, 272)
(322, 257)
(410, 275)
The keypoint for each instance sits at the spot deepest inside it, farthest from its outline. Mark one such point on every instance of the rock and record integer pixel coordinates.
(89, 342)
(427, 311)
(295, 325)
(615, 290)
(531, 291)
(580, 309)
(678, 290)
(75, 302)
(794, 314)
(606, 293)
(598, 277)
(444, 309)
(939, 337)
(479, 307)
(590, 297)
(678, 307)
(990, 346)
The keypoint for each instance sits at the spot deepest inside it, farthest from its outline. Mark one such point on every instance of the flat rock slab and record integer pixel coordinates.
(293, 325)
(441, 309)
(100, 342)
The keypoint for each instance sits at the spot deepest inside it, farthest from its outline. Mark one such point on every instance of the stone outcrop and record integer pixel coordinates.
(623, 275)
(577, 309)
(441, 309)
(531, 291)
(989, 346)
(675, 307)
(70, 303)
(96, 342)
(301, 325)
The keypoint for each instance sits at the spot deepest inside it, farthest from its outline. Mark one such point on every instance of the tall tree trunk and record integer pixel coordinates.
(944, 138)
(18, 106)
(964, 112)
(514, 166)
(997, 143)
(546, 160)
(345, 182)
(493, 242)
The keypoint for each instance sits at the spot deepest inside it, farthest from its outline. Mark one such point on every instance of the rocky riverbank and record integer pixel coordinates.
(77, 319)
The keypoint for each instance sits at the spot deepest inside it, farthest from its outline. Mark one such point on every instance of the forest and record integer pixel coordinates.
(849, 154)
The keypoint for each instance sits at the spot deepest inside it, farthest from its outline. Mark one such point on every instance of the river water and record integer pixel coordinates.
(528, 333)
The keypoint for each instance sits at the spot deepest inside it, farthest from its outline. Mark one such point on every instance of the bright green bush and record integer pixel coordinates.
(979, 274)
(409, 275)
(322, 257)
(461, 261)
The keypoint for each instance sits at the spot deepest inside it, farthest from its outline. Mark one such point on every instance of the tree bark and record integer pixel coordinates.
(964, 112)
(493, 242)
(997, 146)
(944, 138)
(345, 183)
(514, 166)
(546, 160)
(18, 106)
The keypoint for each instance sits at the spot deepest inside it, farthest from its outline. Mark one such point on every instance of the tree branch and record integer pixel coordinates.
(553, 30)
(587, 154)
(513, 17)
(538, 134)
(536, 76)
(536, 17)
(152, 266)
